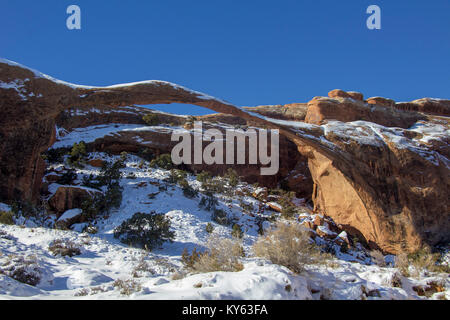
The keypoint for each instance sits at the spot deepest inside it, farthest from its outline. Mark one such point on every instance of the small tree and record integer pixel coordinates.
(232, 177)
(203, 176)
(164, 161)
(78, 154)
(151, 119)
(209, 228)
(145, 230)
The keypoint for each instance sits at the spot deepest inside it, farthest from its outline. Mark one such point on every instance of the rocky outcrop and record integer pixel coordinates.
(341, 106)
(292, 111)
(378, 179)
(427, 105)
(70, 197)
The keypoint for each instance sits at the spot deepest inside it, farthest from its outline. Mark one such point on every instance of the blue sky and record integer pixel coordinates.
(246, 52)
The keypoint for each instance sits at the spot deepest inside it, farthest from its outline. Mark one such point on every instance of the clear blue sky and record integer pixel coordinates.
(246, 52)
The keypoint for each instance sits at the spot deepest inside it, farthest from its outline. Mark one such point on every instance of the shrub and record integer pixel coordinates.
(55, 155)
(164, 161)
(203, 176)
(213, 186)
(68, 177)
(232, 177)
(127, 287)
(93, 207)
(288, 208)
(88, 181)
(237, 232)
(6, 217)
(288, 245)
(189, 260)
(145, 230)
(22, 269)
(64, 248)
(113, 197)
(209, 228)
(176, 176)
(220, 217)
(78, 154)
(146, 154)
(221, 255)
(26, 208)
(109, 176)
(208, 203)
(151, 119)
(415, 263)
(189, 192)
(110, 173)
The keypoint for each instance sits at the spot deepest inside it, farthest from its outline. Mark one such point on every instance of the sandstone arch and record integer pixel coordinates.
(382, 205)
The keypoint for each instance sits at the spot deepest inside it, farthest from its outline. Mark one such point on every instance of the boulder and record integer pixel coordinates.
(96, 163)
(70, 197)
(322, 109)
(69, 218)
(385, 102)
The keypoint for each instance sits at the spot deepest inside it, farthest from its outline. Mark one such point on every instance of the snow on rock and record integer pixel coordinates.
(70, 214)
(4, 207)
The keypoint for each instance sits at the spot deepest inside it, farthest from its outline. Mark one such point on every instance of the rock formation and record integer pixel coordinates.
(380, 171)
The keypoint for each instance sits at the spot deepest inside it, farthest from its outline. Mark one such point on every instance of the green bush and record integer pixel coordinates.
(6, 217)
(220, 217)
(110, 173)
(213, 186)
(232, 177)
(145, 230)
(25, 208)
(203, 176)
(285, 200)
(164, 161)
(188, 191)
(55, 155)
(209, 228)
(110, 176)
(78, 154)
(151, 119)
(67, 178)
(208, 203)
(177, 175)
(90, 182)
(146, 154)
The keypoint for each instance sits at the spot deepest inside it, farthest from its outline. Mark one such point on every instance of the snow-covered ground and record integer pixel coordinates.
(108, 269)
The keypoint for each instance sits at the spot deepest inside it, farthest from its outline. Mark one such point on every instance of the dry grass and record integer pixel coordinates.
(64, 247)
(423, 260)
(127, 287)
(289, 245)
(222, 255)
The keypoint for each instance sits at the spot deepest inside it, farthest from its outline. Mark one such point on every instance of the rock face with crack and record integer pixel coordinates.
(380, 168)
